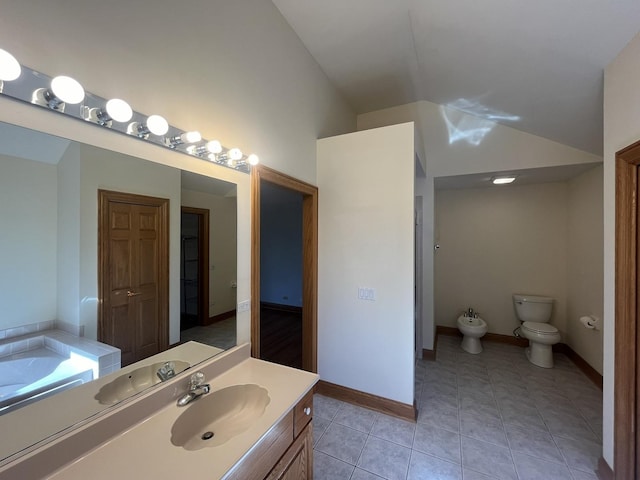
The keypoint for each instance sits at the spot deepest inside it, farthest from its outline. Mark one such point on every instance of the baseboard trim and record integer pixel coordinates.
(580, 362)
(429, 354)
(220, 317)
(489, 337)
(604, 471)
(281, 307)
(373, 402)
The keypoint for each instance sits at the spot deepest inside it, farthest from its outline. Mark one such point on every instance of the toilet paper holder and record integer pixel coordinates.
(590, 321)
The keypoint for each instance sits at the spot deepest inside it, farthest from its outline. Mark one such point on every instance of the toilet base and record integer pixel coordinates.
(539, 354)
(471, 345)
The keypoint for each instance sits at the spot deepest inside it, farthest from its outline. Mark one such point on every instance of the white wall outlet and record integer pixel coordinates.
(365, 293)
(244, 306)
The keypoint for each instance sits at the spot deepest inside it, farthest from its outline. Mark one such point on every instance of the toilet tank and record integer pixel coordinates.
(533, 308)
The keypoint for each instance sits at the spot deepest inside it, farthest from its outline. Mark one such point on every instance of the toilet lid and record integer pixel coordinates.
(540, 327)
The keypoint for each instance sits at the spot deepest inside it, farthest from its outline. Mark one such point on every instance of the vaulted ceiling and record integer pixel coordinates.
(534, 65)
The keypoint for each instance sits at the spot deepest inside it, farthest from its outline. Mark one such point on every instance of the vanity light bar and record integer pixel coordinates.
(66, 95)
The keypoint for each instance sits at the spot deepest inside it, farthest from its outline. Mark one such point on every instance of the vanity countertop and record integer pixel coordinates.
(145, 450)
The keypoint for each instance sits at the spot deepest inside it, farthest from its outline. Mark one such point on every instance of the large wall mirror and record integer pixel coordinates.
(51, 276)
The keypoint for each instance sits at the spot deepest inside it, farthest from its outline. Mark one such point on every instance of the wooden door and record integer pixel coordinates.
(627, 331)
(133, 276)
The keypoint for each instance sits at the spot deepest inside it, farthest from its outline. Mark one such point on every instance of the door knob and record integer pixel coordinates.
(133, 294)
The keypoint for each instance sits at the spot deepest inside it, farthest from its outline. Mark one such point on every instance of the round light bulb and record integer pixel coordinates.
(191, 137)
(9, 67)
(253, 159)
(67, 89)
(157, 125)
(119, 110)
(235, 154)
(214, 146)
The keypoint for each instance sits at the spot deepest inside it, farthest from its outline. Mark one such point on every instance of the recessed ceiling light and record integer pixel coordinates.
(503, 180)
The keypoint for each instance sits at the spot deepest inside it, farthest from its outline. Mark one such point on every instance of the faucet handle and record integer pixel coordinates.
(196, 379)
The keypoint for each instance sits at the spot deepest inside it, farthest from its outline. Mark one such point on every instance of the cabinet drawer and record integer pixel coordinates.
(303, 413)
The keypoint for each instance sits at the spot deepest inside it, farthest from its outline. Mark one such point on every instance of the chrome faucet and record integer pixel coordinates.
(166, 372)
(197, 388)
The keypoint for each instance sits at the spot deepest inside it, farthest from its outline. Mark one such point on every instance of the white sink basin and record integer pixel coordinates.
(216, 417)
(133, 382)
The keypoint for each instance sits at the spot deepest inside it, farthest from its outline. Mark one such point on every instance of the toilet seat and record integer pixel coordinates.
(540, 328)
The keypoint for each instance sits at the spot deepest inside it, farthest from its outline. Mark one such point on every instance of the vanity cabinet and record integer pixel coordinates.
(285, 452)
(297, 461)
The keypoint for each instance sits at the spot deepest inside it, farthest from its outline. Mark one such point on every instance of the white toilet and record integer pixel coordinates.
(472, 328)
(534, 312)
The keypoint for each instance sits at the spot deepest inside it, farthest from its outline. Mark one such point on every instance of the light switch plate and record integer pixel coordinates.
(244, 306)
(365, 293)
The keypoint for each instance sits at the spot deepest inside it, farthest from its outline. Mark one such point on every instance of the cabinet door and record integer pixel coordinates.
(297, 462)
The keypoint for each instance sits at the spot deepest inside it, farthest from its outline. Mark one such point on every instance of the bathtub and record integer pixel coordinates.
(35, 374)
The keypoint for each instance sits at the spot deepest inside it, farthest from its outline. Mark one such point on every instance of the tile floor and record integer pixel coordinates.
(220, 334)
(481, 417)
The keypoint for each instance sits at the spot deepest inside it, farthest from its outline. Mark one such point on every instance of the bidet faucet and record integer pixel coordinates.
(470, 313)
(197, 388)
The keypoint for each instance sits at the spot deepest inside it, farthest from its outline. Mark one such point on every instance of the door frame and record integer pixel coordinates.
(203, 263)
(626, 393)
(104, 198)
(309, 261)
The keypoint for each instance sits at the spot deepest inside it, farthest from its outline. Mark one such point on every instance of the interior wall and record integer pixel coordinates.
(68, 231)
(456, 143)
(585, 264)
(495, 242)
(222, 247)
(28, 191)
(281, 245)
(621, 129)
(234, 70)
(366, 234)
(101, 169)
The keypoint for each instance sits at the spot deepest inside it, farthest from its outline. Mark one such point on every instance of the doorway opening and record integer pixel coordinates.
(284, 314)
(194, 267)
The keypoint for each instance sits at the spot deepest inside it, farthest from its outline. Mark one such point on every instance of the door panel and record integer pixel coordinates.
(120, 263)
(122, 332)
